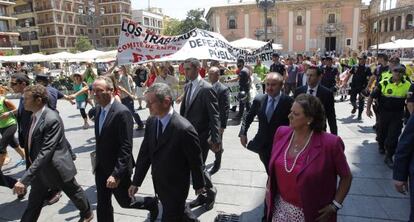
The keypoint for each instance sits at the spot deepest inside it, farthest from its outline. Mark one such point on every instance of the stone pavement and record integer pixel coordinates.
(241, 180)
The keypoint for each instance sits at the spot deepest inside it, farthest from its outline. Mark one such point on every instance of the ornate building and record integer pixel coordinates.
(26, 26)
(151, 18)
(299, 25)
(8, 32)
(390, 20)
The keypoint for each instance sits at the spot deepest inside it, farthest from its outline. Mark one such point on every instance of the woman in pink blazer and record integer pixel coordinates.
(304, 167)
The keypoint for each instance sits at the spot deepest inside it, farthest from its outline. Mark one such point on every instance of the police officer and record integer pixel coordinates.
(391, 94)
(360, 74)
(277, 66)
(244, 85)
(330, 75)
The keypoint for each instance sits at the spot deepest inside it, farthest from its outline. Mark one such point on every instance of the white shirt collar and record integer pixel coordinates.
(315, 89)
(166, 119)
(276, 98)
(196, 81)
(109, 105)
(38, 114)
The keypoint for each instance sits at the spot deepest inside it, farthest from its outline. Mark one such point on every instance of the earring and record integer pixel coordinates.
(309, 123)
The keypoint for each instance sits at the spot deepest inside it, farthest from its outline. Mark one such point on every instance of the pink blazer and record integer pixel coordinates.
(317, 180)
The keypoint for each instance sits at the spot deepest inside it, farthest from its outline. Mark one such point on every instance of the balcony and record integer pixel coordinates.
(43, 8)
(23, 11)
(45, 34)
(114, 1)
(44, 21)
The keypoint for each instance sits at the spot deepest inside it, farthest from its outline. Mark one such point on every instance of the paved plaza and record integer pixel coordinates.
(241, 180)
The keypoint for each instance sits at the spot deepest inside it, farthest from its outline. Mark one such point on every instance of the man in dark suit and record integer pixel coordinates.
(114, 161)
(223, 95)
(272, 110)
(324, 94)
(172, 148)
(51, 162)
(404, 163)
(200, 107)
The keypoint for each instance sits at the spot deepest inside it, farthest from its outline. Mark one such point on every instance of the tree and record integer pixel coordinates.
(172, 27)
(83, 44)
(195, 19)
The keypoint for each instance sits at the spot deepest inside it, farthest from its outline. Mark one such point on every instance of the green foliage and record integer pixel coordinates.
(83, 44)
(194, 19)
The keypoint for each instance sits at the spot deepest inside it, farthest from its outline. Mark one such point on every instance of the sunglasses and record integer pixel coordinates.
(13, 83)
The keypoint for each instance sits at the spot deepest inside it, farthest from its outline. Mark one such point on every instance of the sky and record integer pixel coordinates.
(178, 9)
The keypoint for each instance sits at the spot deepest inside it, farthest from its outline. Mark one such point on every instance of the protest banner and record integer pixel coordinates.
(138, 44)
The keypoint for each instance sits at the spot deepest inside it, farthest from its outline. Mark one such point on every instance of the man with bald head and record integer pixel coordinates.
(223, 97)
(272, 110)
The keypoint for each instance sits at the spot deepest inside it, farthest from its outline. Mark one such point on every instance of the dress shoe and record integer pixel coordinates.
(214, 169)
(54, 197)
(389, 162)
(141, 127)
(87, 218)
(354, 110)
(233, 109)
(359, 116)
(200, 200)
(210, 199)
(189, 216)
(381, 150)
(151, 204)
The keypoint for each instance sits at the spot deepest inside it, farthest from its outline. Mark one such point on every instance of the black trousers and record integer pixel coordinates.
(172, 211)
(361, 100)
(205, 147)
(129, 103)
(104, 209)
(7, 138)
(39, 193)
(7, 181)
(388, 130)
(265, 158)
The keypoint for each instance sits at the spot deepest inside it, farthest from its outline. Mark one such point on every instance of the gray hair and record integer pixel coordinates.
(161, 91)
(275, 75)
(214, 69)
(193, 61)
(108, 81)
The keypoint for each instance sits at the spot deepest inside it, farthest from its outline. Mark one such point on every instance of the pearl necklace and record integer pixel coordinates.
(297, 156)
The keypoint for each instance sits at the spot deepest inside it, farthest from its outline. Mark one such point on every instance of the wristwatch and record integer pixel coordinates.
(337, 205)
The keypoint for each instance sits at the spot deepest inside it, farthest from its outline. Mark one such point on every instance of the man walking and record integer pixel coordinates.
(51, 162)
(114, 161)
(360, 75)
(171, 146)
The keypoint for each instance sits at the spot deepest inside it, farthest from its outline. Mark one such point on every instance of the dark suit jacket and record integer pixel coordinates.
(173, 157)
(263, 140)
(326, 97)
(49, 152)
(223, 95)
(404, 155)
(114, 144)
(23, 122)
(203, 112)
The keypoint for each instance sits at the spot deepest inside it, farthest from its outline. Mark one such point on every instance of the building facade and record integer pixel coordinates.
(8, 33)
(152, 18)
(55, 25)
(390, 20)
(299, 25)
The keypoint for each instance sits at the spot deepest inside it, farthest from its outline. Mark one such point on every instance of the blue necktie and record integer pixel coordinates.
(270, 109)
(101, 120)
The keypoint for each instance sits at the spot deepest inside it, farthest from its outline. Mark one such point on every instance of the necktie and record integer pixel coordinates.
(101, 119)
(188, 96)
(270, 109)
(159, 130)
(32, 126)
(311, 91)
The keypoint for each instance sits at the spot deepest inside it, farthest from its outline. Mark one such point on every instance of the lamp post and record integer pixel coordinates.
(92, 19)
(330, 29)
(378, 33)
(27, 24)
(265, 5)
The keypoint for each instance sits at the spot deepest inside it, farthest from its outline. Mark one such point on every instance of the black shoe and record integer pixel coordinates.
(353, 110)
(141, 127)
(359, 117)
(140, 107)
(88, 217)
(189, 216)
(200, 200)
(233, 109)
(151, 204)
(389, 162)
(210, 199)
(214, 169)
(381, 150)
(55, 197)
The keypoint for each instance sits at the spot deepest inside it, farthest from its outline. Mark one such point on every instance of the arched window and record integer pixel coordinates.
(386, 25)
(232, 22)
(331, 18)
(409, 22)
(269, 21)
(380, 26)
(398, 26)
(299, 20)
(392, 24)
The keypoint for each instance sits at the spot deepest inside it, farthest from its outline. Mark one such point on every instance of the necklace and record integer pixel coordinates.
(297, 155)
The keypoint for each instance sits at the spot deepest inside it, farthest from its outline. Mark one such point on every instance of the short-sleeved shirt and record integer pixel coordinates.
(361, 74)
(329, 76)
(261, 71)
(54, 95)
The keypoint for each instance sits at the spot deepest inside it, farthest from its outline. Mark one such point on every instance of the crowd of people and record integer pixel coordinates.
(302, 160)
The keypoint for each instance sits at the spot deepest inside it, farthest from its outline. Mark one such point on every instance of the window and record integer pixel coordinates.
(160, 24)
(106, 31)
(71, 31)
(398, 26)
(89, 31)
(82, 32)
(60, 30)
(348, 42)
(146, 21)
(380, 26)
(386, 25)
(409, 22)
(116, 31)
(299, 20)
(98, 42)
(269, 22)
(232, 22)
(62, 42)
(331, 18)
(97, 31)
(392, 24)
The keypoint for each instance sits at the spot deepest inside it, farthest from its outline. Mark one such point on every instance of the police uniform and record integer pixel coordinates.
(361, 74)
(329, 77)
(391, 101)
(244, 85)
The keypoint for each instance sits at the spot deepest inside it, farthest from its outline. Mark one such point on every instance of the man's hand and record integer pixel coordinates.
(221, 131)
(179, 99)
(326, 213)
(112, 182)
(369, 113)
(19, 188)
(215, 147)
(243, 141)
(200, 191)
(132, 191)
(401, 186)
